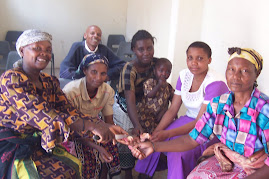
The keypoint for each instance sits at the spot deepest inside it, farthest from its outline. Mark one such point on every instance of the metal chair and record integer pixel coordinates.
(4, 50)
(13, 56)
(124, 52)
(12, 37)
(113, 42)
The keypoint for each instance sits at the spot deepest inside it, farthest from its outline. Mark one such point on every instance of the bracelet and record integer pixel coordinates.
(153, 146)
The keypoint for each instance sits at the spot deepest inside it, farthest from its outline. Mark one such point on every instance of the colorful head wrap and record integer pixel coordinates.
(88, 60)
(248, 54)
(31, 36)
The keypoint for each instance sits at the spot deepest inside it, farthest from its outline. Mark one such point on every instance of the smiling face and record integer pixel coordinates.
(36, 56)
(240, 75)
(93, 36)
(95, 74)
(144, 51)
(197, 61)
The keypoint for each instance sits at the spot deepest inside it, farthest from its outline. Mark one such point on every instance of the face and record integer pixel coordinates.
(197, 61)
(93, 36)
(36, 56)
(95, 74)
(240, 75)
(162, 71)
(144, 51)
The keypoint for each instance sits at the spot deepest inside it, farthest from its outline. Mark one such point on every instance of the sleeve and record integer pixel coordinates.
(203, 130)
(263, 122)
(128, 77)
(69, 65)
(108, 108)
(33, 110)
(178, 86)
(115, 63)
(148, 86)
(214, 89)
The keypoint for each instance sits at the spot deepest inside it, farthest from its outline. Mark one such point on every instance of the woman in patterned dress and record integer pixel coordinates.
(239, 119)
(36, 117)
(92, 96)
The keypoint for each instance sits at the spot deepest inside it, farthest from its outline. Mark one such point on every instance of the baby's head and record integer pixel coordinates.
(162, 68)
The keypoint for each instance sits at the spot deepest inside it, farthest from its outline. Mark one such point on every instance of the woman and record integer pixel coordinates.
(36, 117)
(92, 96)
(130, 92)
(195, 87)
(238, 118)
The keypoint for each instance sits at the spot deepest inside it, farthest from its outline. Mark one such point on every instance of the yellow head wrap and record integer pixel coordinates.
(248, 54)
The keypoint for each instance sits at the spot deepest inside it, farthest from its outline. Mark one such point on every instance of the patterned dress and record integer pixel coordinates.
(130, 79)
(246, 132)
(149, 109)
(44, 115)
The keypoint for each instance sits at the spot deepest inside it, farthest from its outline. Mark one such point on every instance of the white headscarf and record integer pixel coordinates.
(31, 36)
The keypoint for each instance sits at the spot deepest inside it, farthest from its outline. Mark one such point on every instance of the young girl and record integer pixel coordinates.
(157, 94)
(92, 96)
(195, 87)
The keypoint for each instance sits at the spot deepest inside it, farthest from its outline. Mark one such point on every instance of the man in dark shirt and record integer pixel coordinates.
(91, 44)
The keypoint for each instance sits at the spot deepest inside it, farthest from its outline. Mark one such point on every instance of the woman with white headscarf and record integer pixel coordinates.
(36, 116)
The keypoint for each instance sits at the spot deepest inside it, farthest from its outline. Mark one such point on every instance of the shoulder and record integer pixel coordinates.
(13, 75)
(106, 88)
(73, 86)
(78, 44)
(185, 72)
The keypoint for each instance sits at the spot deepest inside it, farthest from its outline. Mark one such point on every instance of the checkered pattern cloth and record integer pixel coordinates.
(246, 132)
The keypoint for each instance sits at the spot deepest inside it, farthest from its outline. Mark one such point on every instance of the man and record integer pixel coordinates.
(91, 44)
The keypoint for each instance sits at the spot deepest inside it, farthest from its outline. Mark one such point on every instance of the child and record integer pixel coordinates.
(157, 94)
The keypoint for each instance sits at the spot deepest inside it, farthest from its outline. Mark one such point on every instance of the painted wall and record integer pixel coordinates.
(66, 20)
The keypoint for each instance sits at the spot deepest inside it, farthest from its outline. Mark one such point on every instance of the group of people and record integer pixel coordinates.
(49, 132)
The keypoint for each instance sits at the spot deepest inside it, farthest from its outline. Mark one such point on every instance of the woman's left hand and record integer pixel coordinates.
(159, 136)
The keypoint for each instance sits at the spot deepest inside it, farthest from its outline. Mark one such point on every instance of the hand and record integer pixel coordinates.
(103, 132)
(162, 82)
(107, 157)
(116, 130)
(142, 150)
(159, 136)
(137, 131)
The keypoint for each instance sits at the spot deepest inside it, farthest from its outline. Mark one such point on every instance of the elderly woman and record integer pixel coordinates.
(36, 116)
(240, 120)
(92, 96)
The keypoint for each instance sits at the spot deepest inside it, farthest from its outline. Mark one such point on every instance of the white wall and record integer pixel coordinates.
(242, 23)
(66, 20)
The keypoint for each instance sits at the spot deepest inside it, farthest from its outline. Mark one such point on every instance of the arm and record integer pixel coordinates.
(109, 119)
(152, 93)
(162, 135)
(181, 144)
(261, 173)
(71, 62)
(132, 111)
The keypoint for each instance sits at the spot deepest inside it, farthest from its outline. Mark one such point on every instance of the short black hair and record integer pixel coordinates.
(141, 35)
(203, 45)
(161, 61)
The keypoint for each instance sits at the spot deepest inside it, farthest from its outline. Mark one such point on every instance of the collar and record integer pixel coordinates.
(88, 49)
(229, 108)
(84, 92)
